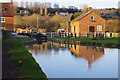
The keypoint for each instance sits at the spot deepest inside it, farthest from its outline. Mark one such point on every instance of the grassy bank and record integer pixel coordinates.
(29, 68)
(86, 40)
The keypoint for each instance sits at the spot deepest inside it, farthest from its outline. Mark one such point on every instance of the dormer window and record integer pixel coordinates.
(92, 18)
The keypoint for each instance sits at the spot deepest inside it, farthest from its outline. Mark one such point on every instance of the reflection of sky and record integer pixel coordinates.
(79, 3)
(61, 64)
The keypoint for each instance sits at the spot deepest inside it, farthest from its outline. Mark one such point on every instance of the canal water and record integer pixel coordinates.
(75, 61)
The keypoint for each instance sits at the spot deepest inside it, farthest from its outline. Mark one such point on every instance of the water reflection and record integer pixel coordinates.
(89, 53)
(59, 60)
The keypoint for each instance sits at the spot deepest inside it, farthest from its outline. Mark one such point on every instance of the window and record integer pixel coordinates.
(4, 9)
(2, 19)
(99, 28)
(91, 18)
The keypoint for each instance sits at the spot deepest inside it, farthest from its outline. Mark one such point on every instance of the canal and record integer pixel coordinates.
(59, 60)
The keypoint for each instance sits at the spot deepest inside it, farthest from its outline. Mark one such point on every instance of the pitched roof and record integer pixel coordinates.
(81, 16)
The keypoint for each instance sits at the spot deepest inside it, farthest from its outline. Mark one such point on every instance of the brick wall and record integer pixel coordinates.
(9, 10)
(82, 26)
(7, 26)
(8, 14)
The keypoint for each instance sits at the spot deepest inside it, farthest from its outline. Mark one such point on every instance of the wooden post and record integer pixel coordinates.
(93, 36)
(71, 35)
(75, 35)
(96, 35)
(103, 36)
(87, 34)
(110, 34)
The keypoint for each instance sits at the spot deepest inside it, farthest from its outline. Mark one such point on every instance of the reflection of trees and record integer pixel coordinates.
(89, 53)
(36, 48)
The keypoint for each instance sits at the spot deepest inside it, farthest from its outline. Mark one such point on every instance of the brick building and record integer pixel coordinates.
(88, 22)
(7, 17)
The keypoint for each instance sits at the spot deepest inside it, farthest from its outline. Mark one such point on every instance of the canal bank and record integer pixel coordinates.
(107, 42)
(24, 64)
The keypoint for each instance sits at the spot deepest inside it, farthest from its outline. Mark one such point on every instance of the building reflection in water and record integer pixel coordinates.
(89, 53)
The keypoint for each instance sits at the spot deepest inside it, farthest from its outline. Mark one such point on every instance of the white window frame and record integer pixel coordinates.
(90, 18)
(99, 28)
(2, 18)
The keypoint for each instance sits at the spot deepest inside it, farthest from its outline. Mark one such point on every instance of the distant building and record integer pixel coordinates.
(42, 30)
(24, 12)
(32, 29)
(119, 4)
(20, 30)
(64, 13)
(7, 18)
(72, 7)
(88, 22)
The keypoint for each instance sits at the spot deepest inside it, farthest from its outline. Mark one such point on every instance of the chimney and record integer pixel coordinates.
(11, 2)
(90, 9)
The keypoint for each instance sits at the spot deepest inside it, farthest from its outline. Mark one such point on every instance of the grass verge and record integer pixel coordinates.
(85, 39)
(29, 67)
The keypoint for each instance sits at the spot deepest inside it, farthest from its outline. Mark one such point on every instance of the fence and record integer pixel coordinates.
(113, 34)
(93, 35)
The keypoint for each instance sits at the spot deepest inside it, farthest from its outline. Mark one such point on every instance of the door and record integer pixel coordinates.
(91, 29)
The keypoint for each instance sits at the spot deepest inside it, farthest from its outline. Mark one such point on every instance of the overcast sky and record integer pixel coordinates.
(79, 3)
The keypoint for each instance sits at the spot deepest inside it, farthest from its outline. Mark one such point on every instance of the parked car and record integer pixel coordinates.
(61, 31)
(44, 33)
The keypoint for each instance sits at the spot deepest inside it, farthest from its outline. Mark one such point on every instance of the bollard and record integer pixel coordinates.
(110, 34)
(93, 36)
(87, 34)
(96, 35)
(71, 35)
(75, 35)
(103, 36)
(99, 35)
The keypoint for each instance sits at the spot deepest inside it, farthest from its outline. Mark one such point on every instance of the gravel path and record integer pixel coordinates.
(8, 67)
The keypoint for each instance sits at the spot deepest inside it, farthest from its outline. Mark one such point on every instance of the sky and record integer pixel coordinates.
(98, 4)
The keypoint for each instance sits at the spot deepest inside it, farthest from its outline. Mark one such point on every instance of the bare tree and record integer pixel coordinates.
(35, 6)
(56, 6)
(22, 4)
(27, 6)
(85, 8)
(31, 6)
(15, 3)
(48, 5)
